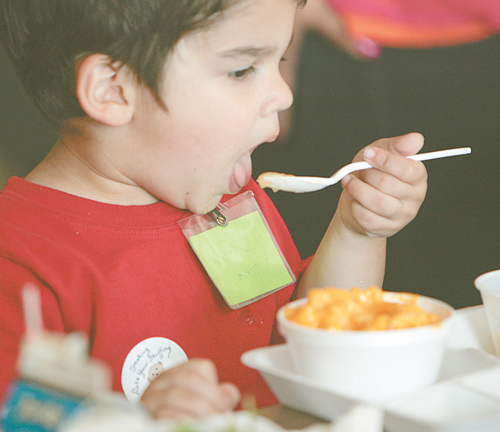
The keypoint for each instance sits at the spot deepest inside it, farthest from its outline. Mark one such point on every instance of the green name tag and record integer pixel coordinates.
(242, 258)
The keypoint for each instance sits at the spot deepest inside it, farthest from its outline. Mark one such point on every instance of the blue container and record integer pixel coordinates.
(30, 407)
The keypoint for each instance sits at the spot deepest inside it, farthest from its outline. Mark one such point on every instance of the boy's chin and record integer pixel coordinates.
(208, 206)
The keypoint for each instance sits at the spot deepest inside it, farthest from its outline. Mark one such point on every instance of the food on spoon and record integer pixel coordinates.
(357, 309)
(271, 180)
(290, 183)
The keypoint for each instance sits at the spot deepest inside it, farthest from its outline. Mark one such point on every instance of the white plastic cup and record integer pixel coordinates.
(488, 285)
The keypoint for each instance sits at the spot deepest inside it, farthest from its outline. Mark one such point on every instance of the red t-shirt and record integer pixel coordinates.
(122, 274)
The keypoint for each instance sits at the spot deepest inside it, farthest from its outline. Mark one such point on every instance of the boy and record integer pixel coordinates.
(159, 105)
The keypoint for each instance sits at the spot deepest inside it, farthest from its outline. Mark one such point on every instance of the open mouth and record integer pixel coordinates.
(242, 172)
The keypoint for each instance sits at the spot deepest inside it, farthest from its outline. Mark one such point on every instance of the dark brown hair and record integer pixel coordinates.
(45, 39)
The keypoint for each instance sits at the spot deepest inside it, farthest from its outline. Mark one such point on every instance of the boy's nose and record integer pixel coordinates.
(279, 99)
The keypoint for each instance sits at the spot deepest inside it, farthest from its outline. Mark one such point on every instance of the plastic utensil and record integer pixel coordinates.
(300, 184)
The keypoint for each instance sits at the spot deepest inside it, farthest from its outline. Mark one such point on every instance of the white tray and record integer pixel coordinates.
(465, 398)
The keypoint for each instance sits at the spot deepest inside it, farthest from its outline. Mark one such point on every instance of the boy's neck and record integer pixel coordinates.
(69, 169)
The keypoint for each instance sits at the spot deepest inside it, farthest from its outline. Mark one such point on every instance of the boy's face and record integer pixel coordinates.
(223, 91)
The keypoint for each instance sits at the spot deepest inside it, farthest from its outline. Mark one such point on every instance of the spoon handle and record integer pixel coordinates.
(440, 154)
(359, 166)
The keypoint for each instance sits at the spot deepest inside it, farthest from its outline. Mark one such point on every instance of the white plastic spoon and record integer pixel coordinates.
(300, 184)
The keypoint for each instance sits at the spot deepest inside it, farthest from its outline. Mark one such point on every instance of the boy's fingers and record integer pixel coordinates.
(404, 145)
(401, 167)
(225, 395)
(190, 390)
(195, 370)
(231, 394)
(373, 200)
(205, 368)
(181, 401)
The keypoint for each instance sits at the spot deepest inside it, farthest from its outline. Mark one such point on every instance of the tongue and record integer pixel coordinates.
(242, 172)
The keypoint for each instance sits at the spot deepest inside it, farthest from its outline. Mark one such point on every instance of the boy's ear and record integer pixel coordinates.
(106, 92)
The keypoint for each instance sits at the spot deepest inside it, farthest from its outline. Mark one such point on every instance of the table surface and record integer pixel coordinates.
(289, 418)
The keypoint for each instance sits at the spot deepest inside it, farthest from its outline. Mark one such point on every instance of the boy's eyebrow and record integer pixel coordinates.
(249, 52)
(253, 51)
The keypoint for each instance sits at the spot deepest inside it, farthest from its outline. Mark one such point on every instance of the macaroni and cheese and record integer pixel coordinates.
(357, 309)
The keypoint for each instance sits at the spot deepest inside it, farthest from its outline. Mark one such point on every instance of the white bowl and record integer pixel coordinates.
(373, 366)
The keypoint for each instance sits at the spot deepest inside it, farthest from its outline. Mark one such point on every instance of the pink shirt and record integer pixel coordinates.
(420, 23)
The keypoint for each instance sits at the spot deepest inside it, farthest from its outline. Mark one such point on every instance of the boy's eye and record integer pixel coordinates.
(242, 73)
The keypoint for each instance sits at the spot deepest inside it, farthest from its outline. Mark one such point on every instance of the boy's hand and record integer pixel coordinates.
(380, 202)
(190, 390)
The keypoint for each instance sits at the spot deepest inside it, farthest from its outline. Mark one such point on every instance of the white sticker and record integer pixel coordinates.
(146, 361)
